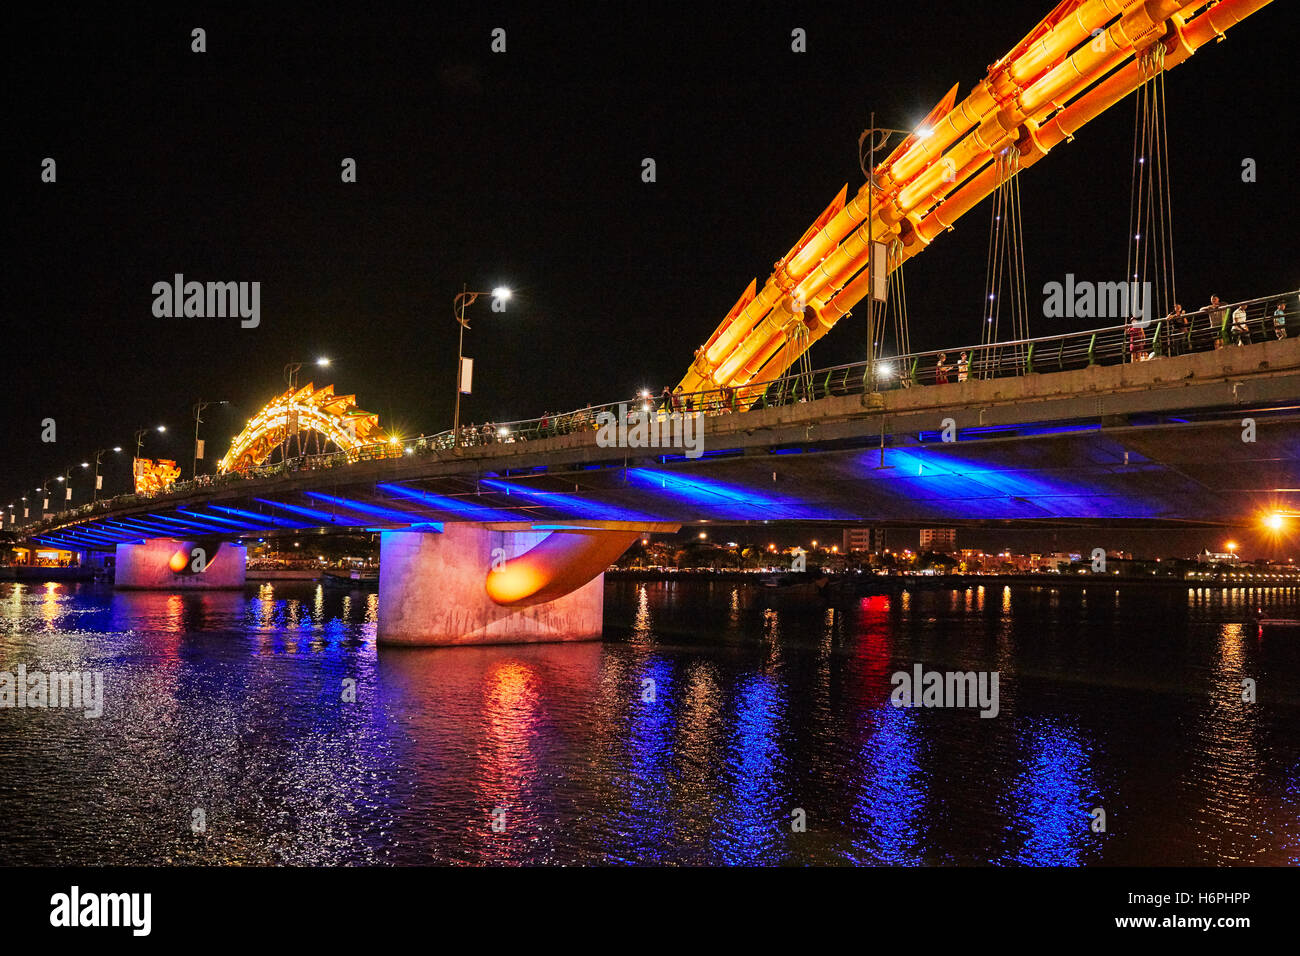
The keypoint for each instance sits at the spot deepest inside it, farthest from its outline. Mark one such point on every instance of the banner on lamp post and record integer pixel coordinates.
(879, 272)
(466, 375)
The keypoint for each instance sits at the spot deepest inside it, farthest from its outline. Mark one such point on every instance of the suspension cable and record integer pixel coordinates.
(1005, 266)
(1149, 260)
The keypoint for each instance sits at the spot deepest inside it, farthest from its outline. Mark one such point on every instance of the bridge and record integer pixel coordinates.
(504, 534)
(1060, 431)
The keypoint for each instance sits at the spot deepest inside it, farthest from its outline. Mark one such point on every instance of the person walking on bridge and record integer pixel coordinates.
(1279, 321)
(1218, 321)
(1177, 324)
(1137, 340)
(963, 367)
(941, 369)
(1240, 328)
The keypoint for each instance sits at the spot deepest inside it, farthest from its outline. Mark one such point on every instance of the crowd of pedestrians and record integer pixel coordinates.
(1210, 327)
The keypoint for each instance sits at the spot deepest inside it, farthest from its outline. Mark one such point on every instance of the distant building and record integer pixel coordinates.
(943, 540)
(1217, 557)
(863, 539)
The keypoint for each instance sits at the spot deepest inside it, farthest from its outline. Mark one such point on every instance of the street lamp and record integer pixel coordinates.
(198, 420)
(291, 371)
(139, 437)
(463, 301)
(291, 377)
(876, 137)
(66, 480)
(99, 460)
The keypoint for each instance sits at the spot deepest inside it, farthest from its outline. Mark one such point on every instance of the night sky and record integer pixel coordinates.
(524, 169)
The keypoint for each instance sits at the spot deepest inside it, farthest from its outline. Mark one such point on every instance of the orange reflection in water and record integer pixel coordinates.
(507, 763)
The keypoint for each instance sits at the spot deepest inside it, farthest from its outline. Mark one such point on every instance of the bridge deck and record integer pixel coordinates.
(1152, 442)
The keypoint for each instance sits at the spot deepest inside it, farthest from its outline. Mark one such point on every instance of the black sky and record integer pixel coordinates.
(524, 168)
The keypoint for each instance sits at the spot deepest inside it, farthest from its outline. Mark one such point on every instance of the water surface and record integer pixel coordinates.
(697, 732)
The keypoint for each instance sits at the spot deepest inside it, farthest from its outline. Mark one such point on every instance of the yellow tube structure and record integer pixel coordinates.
(808, 267)
(1077, 62)
(1181, 42)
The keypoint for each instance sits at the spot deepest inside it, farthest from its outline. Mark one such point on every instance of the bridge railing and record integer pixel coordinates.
(1110, 345)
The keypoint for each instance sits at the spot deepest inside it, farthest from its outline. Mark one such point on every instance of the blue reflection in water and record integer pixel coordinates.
(1048, 799)
(752, 815)
(650, 751)
(1291, 800)
(893, 793)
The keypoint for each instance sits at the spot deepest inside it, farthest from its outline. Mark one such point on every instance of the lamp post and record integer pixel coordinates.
(139, 445)
(99, 460)
(876, 137)
(291, 378)
(139, 437)
(463, 301)
(198, 420)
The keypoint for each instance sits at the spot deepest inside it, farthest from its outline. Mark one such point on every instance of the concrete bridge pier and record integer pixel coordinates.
(500, 583)
(169, 564)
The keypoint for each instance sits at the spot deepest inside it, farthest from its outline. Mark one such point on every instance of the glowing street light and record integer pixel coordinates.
(463, 301)
(139, 437)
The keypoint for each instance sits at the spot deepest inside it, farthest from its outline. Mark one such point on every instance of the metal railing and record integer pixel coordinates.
(1110, 345)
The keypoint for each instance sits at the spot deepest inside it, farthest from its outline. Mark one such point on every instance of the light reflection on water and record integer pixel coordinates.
(699, 731)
